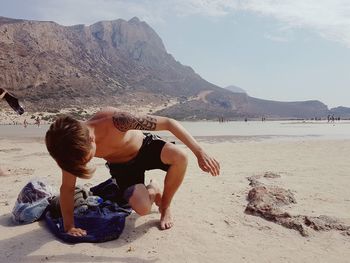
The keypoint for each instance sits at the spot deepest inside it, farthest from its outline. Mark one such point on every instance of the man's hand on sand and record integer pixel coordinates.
(208, 164)
(77, 232)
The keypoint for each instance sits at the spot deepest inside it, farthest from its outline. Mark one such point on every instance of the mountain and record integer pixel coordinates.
(235, 89)
(45, 63)
(238, 105)
(342, 112)
(119, 63)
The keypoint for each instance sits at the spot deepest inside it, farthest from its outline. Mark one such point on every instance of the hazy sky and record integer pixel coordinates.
(285, 50)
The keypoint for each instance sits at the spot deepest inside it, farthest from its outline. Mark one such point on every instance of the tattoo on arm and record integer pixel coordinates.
(125, 121)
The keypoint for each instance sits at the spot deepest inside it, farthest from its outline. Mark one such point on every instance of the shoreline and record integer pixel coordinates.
(9, 117)
(221, 132)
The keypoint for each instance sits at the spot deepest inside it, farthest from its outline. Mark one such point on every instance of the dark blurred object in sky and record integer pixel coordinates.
(12, 101)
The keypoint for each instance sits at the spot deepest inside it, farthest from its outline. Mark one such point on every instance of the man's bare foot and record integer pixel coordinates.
(166, 220)
(158, 193)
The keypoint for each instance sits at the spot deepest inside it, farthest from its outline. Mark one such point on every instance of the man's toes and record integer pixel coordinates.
(162, 226)
(166, 225)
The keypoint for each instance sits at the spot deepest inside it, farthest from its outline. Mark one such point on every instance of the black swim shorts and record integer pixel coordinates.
(132, 172)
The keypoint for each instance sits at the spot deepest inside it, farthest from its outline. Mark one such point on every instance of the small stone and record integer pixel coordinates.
(130, 249)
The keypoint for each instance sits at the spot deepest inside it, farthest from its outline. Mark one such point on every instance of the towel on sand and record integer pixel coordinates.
(102, 223)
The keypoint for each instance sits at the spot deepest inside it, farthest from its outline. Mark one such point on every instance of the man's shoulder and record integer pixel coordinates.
(104, 113)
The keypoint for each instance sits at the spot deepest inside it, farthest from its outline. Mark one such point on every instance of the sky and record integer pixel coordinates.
(286, 50)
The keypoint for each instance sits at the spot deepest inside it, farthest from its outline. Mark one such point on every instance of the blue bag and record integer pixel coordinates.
(32, 202)
(102, 223)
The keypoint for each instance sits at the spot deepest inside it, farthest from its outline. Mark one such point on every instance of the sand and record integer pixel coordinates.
(9, 117)
(210, 223)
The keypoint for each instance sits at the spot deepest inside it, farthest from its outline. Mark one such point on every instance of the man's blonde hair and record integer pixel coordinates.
(68, 142)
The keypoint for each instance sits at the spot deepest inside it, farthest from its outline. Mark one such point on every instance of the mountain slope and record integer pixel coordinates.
(342, 112)
(235, 89)
(118, 63)
(238, 105)
(44, 62)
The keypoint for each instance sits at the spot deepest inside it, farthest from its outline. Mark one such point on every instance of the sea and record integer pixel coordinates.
(233, 130)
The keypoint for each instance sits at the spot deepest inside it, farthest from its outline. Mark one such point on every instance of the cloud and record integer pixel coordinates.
(70, 12)
(276, 38)
(204, 7)
(329, 18)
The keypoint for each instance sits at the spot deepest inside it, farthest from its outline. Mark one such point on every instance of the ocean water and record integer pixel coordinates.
(236, 129)
(271, 129)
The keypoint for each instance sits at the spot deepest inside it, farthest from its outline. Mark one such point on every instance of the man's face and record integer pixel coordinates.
(92, 152)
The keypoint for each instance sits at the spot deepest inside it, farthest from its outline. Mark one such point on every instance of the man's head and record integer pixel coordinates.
(72, 145)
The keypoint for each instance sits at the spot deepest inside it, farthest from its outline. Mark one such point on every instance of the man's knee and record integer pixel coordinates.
(180, 157)
(175, 155)
(143, 210)
(139, 200)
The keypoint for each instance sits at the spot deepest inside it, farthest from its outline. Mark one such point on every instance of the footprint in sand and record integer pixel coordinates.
(20, 171)
(2, 172)
(11, 150)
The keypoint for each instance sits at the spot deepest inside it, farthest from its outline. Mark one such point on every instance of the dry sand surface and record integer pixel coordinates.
(210, 223)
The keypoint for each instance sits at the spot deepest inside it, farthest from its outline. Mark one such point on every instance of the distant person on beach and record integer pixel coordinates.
(25, 123)
(117, 137)
(37, 121)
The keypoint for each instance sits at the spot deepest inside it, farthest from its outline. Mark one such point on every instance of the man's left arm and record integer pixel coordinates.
(125, 121)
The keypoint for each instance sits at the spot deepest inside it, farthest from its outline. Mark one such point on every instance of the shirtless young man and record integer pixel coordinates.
(117, 137)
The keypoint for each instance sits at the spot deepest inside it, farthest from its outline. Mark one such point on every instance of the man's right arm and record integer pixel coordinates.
(67, 204)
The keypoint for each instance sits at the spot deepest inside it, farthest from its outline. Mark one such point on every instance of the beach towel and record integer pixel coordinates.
(81, 194)
(108, 190)
(102, 223)
(31, 202)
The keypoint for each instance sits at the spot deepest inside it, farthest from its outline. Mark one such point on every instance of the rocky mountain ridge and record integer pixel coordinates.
(235, 89)
(119, 63)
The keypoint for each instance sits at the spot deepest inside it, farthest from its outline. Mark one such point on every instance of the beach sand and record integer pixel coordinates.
(210, 223)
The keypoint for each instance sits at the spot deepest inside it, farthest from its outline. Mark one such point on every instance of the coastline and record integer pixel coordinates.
(214, 131)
